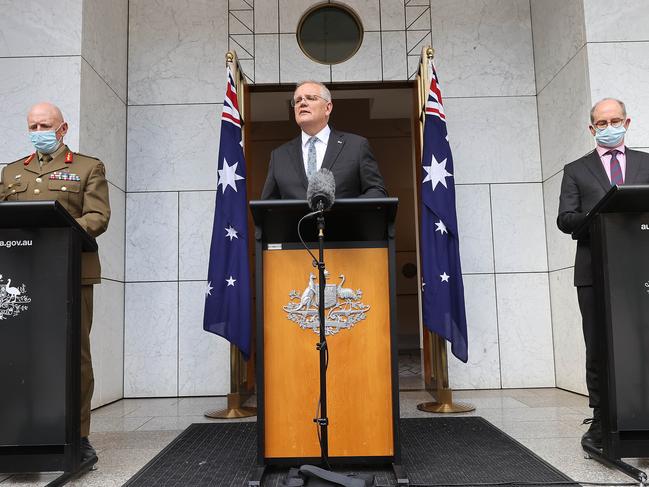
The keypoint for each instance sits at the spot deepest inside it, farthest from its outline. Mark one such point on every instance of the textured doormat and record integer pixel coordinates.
(451, 451)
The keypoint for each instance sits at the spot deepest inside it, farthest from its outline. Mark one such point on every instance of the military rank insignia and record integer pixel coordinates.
(65, 176)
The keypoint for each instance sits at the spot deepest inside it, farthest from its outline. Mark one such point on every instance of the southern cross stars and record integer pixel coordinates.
(208, 289)
(436, 172)
(441, 228)
(231, 281)
(231, 233)
(444, 277)
(228, 176)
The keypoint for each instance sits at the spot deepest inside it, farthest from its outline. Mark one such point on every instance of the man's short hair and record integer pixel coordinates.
(324, 91)
(619, 102)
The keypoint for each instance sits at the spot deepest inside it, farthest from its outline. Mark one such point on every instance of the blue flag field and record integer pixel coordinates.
(442, 288)
(228, 296)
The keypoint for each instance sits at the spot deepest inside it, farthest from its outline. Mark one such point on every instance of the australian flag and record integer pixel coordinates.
(442, 288)
(227, 296)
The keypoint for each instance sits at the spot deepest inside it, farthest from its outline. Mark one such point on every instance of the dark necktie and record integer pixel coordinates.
(616, 171)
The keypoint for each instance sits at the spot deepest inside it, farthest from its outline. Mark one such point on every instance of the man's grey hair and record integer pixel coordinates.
(619, 102)
(324, 91)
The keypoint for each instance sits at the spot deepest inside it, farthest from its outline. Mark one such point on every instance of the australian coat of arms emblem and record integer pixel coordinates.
(13, 299)
(343, 306)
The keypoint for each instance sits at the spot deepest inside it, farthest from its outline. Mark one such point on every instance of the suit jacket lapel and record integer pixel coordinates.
(298, 160)
(334, 146)
(632, 167)
(595, 166)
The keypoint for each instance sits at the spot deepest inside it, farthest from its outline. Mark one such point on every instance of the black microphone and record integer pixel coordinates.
(320, 194)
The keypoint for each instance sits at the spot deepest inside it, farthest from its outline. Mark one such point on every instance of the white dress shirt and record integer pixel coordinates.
(320, 147)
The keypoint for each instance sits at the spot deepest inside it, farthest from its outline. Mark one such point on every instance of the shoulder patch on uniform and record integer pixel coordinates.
(21, 160)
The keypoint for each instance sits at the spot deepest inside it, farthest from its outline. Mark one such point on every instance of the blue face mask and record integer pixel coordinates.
(610, 136)
(46, 141)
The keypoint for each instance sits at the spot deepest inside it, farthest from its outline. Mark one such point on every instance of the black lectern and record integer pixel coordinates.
(619, 235)
(40, 279)
(360, 307)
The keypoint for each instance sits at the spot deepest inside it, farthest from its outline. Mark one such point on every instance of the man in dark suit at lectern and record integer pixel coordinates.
(347, 156)
(585, 182)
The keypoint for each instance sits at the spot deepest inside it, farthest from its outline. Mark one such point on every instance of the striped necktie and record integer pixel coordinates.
(616, 171)
(311, 164)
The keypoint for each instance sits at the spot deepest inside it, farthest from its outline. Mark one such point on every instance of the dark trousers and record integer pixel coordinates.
(586, 298)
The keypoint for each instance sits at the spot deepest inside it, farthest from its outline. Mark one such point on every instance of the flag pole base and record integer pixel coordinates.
(445, 407)
(234, 410)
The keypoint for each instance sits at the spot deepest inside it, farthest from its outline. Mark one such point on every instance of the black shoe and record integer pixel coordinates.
(86, 449)
(592, 437)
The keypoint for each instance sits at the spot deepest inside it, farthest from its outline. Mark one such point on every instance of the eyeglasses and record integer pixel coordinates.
(614, 122)
(308, 99)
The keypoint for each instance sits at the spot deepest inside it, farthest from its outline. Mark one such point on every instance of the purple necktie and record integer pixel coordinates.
(616, 170)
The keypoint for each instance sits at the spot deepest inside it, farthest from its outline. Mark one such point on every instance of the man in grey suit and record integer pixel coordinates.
(347, 156)
(585, 182)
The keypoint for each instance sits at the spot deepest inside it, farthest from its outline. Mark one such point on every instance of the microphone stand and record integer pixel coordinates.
(322, 421)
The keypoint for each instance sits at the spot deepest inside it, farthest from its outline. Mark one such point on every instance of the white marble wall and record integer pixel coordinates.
(175, 95)
(103, 135)
(74, 55)
(485, 64)
(563, 99)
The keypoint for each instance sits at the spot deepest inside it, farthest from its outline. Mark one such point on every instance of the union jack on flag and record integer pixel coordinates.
(442, 288)
(228, 295)
(434, 105)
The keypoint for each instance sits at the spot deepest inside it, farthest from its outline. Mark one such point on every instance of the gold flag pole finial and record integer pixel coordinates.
(430, 52)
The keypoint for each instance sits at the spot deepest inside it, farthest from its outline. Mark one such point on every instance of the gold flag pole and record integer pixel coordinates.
(435, 355)
(239, 393)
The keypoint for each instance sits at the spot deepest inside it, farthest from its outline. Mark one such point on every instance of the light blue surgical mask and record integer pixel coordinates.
(610, 136)
(45, 141)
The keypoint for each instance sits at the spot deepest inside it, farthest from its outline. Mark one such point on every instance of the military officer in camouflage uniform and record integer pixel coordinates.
(78, 182)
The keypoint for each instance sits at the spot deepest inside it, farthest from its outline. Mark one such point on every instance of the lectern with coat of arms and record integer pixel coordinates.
(360, 321)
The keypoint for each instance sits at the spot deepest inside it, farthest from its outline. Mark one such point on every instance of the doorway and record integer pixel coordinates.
(382, 113)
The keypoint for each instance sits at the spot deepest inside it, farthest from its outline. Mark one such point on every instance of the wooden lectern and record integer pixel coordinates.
(360, 297)
(40, 313)
(619, 235)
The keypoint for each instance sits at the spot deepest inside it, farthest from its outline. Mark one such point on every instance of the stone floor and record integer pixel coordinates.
(128, 433)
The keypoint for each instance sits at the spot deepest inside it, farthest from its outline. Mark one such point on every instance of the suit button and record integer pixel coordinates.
(63, 188)
(38, 180)
(37, 191)
(10, 186)
(13, 190)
